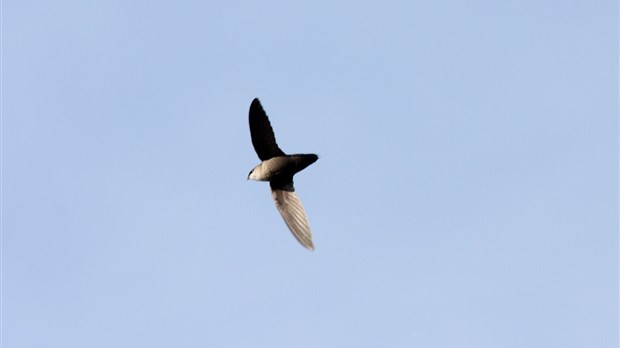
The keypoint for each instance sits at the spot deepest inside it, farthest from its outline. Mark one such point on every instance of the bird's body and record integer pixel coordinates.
(282, 166)
(279, 168)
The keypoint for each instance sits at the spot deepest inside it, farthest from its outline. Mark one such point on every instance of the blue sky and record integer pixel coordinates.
(466, 193)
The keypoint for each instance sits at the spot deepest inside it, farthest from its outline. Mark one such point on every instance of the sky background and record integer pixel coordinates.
(466, 193)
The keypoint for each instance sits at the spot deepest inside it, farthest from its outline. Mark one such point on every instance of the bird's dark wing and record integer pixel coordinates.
(263, 139)
(294, 215)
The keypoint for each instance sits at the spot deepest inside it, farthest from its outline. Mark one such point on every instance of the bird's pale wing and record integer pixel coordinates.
(294, 215)
(263, 138)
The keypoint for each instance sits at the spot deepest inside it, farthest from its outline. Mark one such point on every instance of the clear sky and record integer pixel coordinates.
(466, 193)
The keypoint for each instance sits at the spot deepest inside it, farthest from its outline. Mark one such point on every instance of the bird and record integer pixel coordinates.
(279, 168)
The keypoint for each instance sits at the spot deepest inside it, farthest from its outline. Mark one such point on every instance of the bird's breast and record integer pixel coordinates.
(288, 165)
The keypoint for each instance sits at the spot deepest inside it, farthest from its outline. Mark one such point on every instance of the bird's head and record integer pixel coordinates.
(256, 173)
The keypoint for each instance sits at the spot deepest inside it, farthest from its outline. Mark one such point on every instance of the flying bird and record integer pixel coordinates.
(279, 168)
